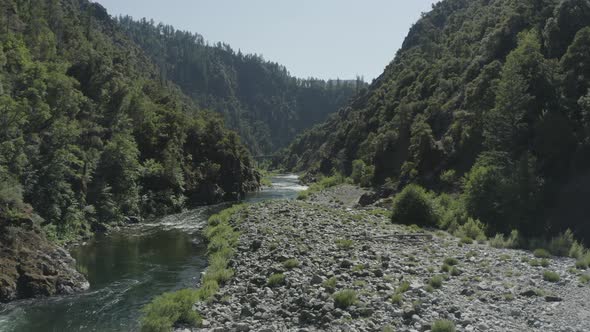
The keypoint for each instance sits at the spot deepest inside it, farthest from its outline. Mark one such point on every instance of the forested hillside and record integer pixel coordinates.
(259, 99)
(487, 100)
(90, 133)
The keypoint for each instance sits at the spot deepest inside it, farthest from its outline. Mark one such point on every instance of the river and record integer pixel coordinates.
(127, 268)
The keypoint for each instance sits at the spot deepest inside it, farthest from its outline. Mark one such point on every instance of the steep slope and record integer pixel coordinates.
(88, 133)
(259, 99)
(496, 90)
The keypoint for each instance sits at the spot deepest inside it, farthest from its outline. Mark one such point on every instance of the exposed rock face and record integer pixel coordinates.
(31, 266)
(489, 289)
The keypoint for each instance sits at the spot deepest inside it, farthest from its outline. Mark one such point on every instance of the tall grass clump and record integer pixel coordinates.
(174, 308)
(345, 298)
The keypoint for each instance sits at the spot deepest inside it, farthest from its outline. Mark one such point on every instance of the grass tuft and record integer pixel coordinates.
(276, 280)
(345, 298)
(551, 276)
(291, 263)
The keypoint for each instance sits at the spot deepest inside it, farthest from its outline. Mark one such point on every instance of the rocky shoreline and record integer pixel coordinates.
(295, 258)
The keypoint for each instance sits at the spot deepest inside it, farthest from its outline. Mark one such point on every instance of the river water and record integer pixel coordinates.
(127, 268)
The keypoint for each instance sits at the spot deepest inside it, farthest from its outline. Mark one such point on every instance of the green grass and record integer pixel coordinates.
(443, 325)
(445, 268)
(276, 280)
(345, 298)
(436, 281)
(585, 278)
(344, 244)
(291, 263)
(171, 308)
(455, 271)
(541, 253)
(551, 276)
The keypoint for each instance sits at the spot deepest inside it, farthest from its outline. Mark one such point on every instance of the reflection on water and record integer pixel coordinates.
(126, 269)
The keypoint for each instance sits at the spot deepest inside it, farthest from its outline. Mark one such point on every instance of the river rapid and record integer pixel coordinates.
(127, 268)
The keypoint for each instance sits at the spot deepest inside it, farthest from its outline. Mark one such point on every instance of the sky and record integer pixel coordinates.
(325, 39)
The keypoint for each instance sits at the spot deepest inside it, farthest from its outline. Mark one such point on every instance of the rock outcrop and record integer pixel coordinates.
(31, 266)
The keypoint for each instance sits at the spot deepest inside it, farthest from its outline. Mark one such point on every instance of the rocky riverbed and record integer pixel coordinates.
(393, 281)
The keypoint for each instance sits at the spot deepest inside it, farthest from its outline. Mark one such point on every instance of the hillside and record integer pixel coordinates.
(89, 134)
(487, 101)
(259, 99)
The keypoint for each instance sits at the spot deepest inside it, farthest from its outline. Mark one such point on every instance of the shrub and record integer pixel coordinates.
(413, 206)
(455, 271)
(361, 173)
(443, 325)
(466, 240)
(445, 268)
(451, 211)
(585, 278)
(291, 263)
(276, 280)
(510, 242)
(472, 229)
(168, 309)
(561, 244)
(541, 253)
(577, 250)
(452, 261)
(584, 261)
(448, 177)
(551, 276)
(436, 281)
(345, 298)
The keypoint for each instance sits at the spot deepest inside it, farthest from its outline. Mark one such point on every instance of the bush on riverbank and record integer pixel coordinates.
(170, 309)
(413, 207)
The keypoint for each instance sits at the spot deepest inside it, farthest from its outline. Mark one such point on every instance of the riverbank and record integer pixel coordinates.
(327, 265)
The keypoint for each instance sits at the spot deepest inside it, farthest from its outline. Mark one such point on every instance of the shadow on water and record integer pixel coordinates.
(127, 268)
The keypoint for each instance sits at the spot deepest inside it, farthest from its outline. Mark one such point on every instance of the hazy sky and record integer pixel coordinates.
(319, 38)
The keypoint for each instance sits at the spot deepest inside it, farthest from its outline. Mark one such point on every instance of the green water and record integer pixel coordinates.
(126, 269)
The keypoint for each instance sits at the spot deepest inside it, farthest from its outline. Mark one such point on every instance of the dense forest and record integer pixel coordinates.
(91, 134)
(259, 99)
(487, 101)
